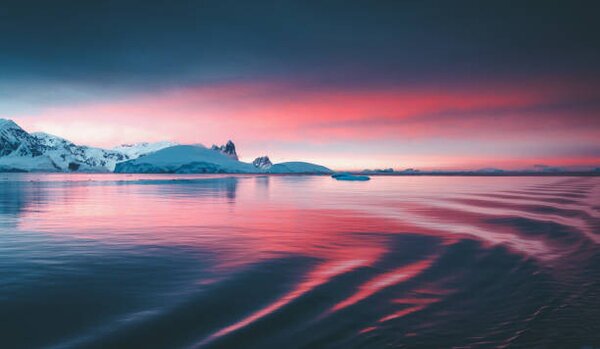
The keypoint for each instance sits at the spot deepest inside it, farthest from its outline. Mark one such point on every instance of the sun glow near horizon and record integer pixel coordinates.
(464, 127)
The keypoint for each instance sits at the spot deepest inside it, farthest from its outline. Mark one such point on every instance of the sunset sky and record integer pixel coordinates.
(348, 84)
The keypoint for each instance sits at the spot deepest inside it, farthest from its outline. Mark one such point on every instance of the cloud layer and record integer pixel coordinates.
(350, 84)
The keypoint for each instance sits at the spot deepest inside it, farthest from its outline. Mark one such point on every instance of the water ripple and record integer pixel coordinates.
(111, 261)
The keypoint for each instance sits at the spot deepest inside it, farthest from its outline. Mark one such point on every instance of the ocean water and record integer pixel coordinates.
(160, 261)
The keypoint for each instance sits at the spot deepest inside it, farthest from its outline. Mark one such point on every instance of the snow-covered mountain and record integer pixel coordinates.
(42, 152)
(136, 150)
(67, 156)
(185, 159)
(15, 141)
(198, 159)
(22, 151)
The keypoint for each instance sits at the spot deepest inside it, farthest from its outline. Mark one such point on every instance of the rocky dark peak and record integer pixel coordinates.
(227, 149)
(262, 162)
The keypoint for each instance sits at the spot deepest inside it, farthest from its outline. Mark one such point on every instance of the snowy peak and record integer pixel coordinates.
(14, 141)
(8, 124)
(262, 162)
(227, 149)
(49, 140)
(39, 151)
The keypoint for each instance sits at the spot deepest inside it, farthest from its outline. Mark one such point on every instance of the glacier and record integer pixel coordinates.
(199, 159)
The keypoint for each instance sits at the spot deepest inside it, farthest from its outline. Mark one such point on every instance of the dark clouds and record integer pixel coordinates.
(141, 44)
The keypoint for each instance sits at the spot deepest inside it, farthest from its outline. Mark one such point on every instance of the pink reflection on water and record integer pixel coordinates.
(346, 226)
(367, 329)
(382, 281)
(246, 218)
(321, 275)
(416, 304)
(402, 313)
(265, 215)
(241, 230)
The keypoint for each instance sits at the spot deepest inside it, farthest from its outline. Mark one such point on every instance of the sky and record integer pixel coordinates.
(347, 84)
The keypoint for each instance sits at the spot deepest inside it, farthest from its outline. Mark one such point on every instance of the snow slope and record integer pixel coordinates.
(22, 151)
(68, 156)
(28, 164)
(185, 159)
(298, 167)
(198, 159)
(136, 150)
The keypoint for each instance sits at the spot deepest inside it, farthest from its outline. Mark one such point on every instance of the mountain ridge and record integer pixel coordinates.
(21, 151)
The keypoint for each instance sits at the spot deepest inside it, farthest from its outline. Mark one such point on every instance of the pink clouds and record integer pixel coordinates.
(267, 113)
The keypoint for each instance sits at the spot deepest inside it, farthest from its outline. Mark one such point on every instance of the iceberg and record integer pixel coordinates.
(350, 177)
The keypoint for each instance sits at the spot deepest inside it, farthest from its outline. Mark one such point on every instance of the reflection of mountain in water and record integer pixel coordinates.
(204, 187)
(19, 194)
(13, 198)
(262, 184)
(16, 196)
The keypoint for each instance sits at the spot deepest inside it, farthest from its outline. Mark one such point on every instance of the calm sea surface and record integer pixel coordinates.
(158, 261)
